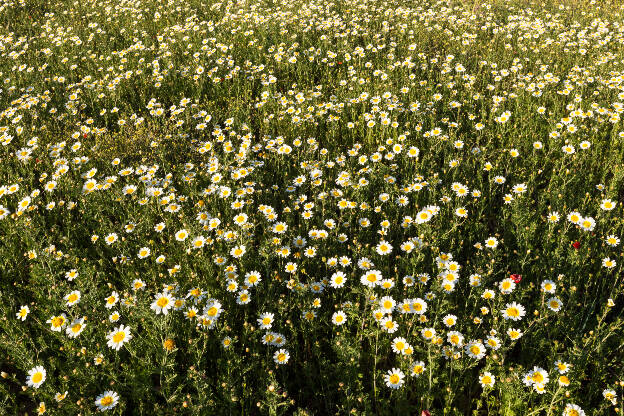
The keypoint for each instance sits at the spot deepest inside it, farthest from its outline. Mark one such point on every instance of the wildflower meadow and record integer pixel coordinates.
(306, 207)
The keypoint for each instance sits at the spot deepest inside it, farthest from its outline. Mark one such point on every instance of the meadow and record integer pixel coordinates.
(366, 207)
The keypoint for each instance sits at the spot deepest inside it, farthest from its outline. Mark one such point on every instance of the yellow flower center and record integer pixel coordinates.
(162, 302)
(169, 344)
(394, 379)
(106, 401)
(37, 377)
(119, 336)
(58, 321)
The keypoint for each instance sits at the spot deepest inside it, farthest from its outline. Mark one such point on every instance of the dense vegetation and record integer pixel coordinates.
(311, 207)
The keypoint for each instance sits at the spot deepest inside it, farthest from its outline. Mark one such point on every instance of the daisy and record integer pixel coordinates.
(399, 344)
(252, 278)
(491, 242)
(584, 145)
(519, 188)
(607, 204)
(181, 235)
(143, 252)
(513, 311)
(238, 251)
(548, 286)
(394, 378)
(475, 349)
(138, 284)
(488, 294)
(568, 149)
(243, 297)
(338, 280)
(562, 367)
(608, 263)
(455, 338)
(290, 267)
(280, 228)
(111, 238)
(387, 304)
(493, 343)
(537, 376)
(563, 381)
(475, 280)
(514, 334)
(114, 317)
(507, 286)
(241, 219)
(57, 323)
(388, 325)
(36, 376)
(75, 328)
(118, 337)
(418, 368)
(449, 320)
(371, 278)
(575, 217)
(612, 240)
(339, 318)
(553, 217)
(423, 217)
(71, 275)
(383, 248)
(213, 309)
(554, 304)
(587, 224)
(281, 356)
(162, 303)
(419, 306)
(23, 312)
(265, 321)
(611, 395)
(112, 300)
(428, 333)
(487, 380)
(107, 400)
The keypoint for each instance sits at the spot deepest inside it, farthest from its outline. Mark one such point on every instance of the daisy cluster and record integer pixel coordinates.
(202, 200)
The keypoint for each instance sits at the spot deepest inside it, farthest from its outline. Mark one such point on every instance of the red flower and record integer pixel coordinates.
(576, 245)
(425, 413)
(516, 278)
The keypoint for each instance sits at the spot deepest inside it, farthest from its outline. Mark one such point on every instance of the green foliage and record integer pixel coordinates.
(390, 136)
